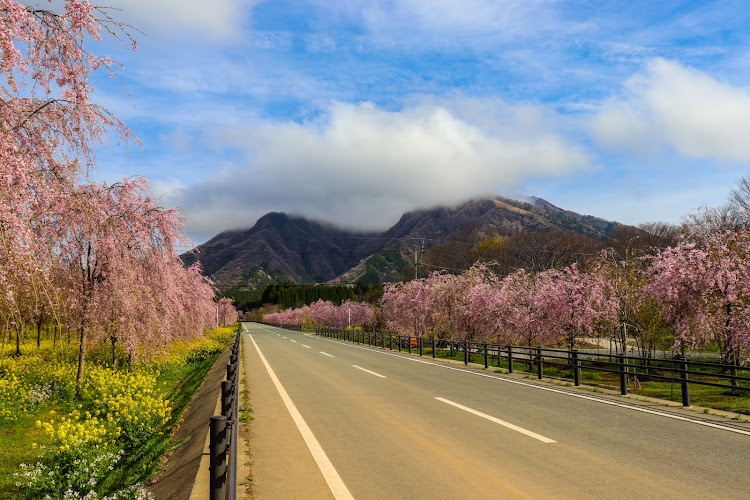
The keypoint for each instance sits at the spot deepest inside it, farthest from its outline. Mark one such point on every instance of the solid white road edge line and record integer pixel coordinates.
(498, 421)
(551, 389)
(326, 354)
(368, 371)
(335, 483)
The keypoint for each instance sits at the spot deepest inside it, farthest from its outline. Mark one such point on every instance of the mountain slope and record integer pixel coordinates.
(282, 247)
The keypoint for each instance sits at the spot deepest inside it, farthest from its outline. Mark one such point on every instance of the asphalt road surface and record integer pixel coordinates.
(337, 420)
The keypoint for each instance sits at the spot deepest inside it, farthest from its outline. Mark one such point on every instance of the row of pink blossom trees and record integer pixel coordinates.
(692, 295)
(99, 259)
(325, 314)
(546, 308)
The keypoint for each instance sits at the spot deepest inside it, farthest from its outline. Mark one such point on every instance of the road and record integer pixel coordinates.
(367, 423)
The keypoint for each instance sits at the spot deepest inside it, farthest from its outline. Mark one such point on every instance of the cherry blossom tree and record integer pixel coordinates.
(638, 313)
(703, 286)
(575, 302)
(405, 307)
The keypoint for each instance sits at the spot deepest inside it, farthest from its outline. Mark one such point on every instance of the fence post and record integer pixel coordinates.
(230, 371)
(684, 383)
(399, 343)
(420, 340)
(510, 358)
(486, 359)
(408, 341)
(226, 398)
(390, 341)
(466, 353)
(433, 347)
(539, 364)
(217, 451)
(623, 374)
(576, 367)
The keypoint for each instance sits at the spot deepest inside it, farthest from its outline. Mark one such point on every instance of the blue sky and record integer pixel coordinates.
(353, 112)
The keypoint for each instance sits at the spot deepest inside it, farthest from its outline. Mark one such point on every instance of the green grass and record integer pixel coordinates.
(16, 448)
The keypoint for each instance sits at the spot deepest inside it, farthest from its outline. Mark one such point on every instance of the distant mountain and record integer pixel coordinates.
(281, 247)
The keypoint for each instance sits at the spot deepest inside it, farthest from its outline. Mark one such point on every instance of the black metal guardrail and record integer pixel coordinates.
(223, 433)
(680, 369)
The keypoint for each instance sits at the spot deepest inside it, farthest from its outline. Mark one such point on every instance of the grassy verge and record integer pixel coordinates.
(124, 420)
(245, 417)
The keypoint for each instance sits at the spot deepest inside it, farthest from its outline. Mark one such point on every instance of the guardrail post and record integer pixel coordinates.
(420, 340)
(576, 367)
(226, 398)
(231, 368)
(510, 358)
(466, 353)
(623, 374)
(390, 341)
(408, 341)
(399, 343)
(217, 457)
(433, 347)
(486, 358)
(684, 382)
(539, 364)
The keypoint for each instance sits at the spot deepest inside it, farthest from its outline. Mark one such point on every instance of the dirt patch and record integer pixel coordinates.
(178, 475)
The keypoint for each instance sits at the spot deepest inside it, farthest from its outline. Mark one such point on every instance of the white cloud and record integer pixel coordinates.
(504, 18)
(678, 107)
(363, 166)
(216, 20)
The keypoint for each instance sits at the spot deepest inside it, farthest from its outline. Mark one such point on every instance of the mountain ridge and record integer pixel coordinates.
(281, 247)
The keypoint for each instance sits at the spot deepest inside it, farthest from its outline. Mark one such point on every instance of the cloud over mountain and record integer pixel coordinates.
(362, 166)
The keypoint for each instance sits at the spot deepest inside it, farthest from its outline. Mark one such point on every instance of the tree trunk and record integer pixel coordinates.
(18, 341)
(81, 358)
(114, 355)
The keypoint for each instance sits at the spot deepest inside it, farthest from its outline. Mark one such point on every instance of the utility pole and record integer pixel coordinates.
(418, 259)
(416, 265)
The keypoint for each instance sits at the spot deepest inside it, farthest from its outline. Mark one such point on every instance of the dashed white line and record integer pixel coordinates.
(335, 483)
(326, 354)
(293, 341)
(303, 345)
(368, 371)
(498, 421)
(629, 406)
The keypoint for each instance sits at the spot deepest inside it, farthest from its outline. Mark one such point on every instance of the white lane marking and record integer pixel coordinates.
(498, 421)
(294, 341)
(283, 337)
(303, 345)
(368, 371)
(557, 391)
(335, 483)
(326, 354)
